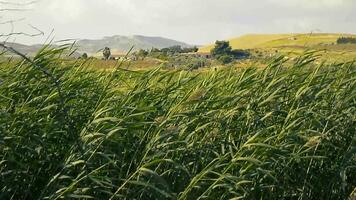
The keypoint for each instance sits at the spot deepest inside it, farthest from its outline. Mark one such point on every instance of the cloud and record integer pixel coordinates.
(64, 10)
(312, 4)
(193, 21)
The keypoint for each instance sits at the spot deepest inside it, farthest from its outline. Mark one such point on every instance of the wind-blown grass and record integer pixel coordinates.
(273, 133)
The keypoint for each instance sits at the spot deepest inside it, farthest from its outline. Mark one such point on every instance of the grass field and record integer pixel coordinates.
(294, 45)
(249, 41)
(146, 64)
(69, 131)
(253, 41)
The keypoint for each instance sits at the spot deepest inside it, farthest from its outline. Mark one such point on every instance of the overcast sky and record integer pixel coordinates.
(191, 21)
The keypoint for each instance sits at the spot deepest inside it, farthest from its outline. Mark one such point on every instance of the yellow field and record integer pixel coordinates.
(147, 63)
(253, 41)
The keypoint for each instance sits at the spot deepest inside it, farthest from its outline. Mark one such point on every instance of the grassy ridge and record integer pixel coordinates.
(253, 41)
(273, 133)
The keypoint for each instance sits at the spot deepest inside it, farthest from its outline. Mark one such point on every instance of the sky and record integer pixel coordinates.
(192, 21)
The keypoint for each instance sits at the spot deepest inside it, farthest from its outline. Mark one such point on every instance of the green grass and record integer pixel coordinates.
(272, 133)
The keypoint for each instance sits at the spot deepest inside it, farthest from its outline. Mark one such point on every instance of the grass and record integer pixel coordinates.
(280, 132)
(293, 45)
(253, 41)
(249, 41)
(138, 65)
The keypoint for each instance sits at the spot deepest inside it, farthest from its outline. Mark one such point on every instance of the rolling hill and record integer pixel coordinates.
(252, 41)
(123, 44)
(118, 44)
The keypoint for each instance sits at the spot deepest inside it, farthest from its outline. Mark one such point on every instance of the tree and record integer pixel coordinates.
(106, 53)
(221, 48)
(171, 50)
(189, 50)
(346, 40)
(224, 53)
(84, 56)
(195, 49)
(142, 53)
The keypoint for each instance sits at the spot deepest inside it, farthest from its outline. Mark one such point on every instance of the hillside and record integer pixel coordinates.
(252, 41)
(124, 43)
(25, 49)
(118, 44)
(30, 50)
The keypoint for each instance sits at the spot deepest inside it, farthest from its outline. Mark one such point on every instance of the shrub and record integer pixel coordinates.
(225, 59)
(346, 40)
(224, 53)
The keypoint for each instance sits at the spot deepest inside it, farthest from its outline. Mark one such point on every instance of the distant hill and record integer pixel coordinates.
(252, 41)
(118, 44)
(25, 49)
(124, 43)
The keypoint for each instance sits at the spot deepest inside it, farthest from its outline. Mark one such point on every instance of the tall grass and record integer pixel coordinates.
(273, 133)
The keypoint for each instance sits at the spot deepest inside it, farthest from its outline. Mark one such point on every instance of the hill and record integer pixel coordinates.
(252, 41)
(118, 44)
(124, 43)
(25, 49)
(30, 50)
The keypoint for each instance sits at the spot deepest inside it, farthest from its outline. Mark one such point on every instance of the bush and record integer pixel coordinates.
(225, 59)
(224, 53)
(240, 54)
(346, 40)
(187, 62)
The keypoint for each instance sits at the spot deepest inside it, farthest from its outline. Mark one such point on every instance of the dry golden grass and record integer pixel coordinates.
(253, 41)
(146, 64)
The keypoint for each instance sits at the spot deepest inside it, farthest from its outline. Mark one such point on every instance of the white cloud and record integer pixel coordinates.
(63, 10)
(312, 4)
(193, 21)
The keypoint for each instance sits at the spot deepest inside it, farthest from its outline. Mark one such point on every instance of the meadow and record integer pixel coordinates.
(253, 41)
(294, 45)
(70, 131)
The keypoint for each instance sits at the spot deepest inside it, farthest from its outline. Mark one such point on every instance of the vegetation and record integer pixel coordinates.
(175, 50)
(346, 40)
(84, 56)
(273, 133)
(172, 54)
(106, 53)
(257, 41)
(224, 53)
(142, 53)
(187, 62)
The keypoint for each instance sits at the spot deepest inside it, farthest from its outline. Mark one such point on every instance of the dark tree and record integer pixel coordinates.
(106, 53)
(346, 40)
(189, 50)
(195, 49)
(224, 53)
(221, 48)
(238, 53)
(142, 53)
(84, 56)
(171, 50)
